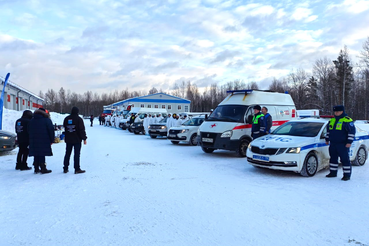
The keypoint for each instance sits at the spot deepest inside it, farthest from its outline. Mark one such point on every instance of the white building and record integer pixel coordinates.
(18, 98)
(171, 103)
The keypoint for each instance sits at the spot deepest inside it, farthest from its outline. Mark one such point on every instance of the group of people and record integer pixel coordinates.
(35, 133)
(261, 122)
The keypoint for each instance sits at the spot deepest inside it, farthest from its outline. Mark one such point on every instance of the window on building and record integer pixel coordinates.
(149, 105)
(142, 105)
(179, 107)
(186, 108)
(156, 106)
(163, 106)
(169, 106)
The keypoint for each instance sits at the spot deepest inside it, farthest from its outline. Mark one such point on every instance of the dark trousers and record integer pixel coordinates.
(22, 155)
(339, 150)
(68, 151)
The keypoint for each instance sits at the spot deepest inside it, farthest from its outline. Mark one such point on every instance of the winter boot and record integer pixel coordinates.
(65, 170)
(331, 175)
(17, 166)
(43, 168)
(79, 171)
(24, 167)
(345, 178)
(36, 167)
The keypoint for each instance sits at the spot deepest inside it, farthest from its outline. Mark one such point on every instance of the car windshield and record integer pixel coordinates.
(164, 120)
(194, 122)
(230, 113)
(300, 129)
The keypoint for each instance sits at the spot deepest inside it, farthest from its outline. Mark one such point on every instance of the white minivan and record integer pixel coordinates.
(229, 126)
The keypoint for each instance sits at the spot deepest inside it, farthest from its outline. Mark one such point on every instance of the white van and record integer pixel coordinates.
(229, 126)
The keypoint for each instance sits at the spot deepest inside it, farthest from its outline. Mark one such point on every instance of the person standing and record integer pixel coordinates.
(21, 128)
(258, 126)
(74, 134)
(41, 137)
(92, 120)
(340, 135)
(268, 120)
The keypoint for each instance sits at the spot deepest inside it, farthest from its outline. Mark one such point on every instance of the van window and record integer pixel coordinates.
(230, 113)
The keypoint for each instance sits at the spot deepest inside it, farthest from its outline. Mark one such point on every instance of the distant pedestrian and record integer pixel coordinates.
(268, 120)
(21, 128)
(340, 135)
(41, 137)
(92, 120)
(74, 134)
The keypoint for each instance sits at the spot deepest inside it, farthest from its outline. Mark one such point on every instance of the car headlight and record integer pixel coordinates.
(149, 127)
(293, 150)
(249, 147)
(139, 125)
(5, 137)
(184, 130)
(226, 134)
(163, 127)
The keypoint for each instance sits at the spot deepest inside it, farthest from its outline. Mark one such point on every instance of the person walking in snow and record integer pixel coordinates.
(21, 128)
(74, 134)
(92, 120)
(146, 124)
(41, 137)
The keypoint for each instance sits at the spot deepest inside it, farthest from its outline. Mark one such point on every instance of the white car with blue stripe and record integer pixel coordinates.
(299, 146)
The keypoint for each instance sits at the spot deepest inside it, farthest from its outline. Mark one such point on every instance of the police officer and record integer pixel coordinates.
(258, 124)
(268, 121)
(340, 135)
(21, 128)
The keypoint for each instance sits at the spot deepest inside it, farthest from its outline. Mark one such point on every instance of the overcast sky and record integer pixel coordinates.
(106, 45)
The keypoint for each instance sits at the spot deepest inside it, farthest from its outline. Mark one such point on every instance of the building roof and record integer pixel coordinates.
(149, 99)
(19, 88)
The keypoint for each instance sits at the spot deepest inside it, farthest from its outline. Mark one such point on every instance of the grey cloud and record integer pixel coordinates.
(206, 81)
(95, 32)
(18, 45)
(230, 29)
(167, 65)
(236, 64)
(224, 55)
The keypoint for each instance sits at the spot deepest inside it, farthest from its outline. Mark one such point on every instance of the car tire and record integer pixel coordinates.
(361, 156)
(207, 150)
(175, 142)
(193, 139)
(151, 136)
(242, 148)
(310, 166)
(136, 132)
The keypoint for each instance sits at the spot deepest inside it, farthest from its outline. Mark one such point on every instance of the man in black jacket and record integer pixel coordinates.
(21, 128)
(74, 134)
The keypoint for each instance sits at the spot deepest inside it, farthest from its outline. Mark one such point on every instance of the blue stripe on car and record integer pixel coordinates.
(317, 145)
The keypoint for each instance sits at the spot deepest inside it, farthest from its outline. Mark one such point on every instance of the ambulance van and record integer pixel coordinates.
(229, 125)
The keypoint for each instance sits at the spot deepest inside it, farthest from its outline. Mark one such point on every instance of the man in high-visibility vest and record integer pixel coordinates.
(340, 135)
(258, 124)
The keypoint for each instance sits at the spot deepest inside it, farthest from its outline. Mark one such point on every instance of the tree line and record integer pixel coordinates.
(329, 83)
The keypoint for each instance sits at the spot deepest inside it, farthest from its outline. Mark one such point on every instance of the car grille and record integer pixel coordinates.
(267, 151)
(174, 131)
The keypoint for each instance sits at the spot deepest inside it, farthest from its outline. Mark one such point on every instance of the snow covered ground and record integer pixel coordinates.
(148, 192)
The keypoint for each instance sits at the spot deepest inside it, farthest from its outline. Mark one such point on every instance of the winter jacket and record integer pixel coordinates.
(268, 121)
(41, 134)
(74, 128)
(21, 127)
(258, 125)
(340, 130)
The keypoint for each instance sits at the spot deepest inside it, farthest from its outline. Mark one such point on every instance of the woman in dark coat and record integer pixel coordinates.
(41, 137)
(21, 128)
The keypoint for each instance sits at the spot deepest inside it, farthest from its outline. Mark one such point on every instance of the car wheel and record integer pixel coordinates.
(136, 132)
(242, 148)
(310, 166)
(207, 150)
(193, 139)
(175, 142)
(361, 156)
(152, 136)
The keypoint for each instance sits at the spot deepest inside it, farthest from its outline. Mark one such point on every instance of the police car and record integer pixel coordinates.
(299, 146)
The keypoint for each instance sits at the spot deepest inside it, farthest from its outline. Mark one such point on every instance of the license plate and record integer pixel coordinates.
(207, 140)
(260, 158)
(172, 135)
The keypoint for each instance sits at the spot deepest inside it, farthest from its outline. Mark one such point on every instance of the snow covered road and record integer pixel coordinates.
(148, 192)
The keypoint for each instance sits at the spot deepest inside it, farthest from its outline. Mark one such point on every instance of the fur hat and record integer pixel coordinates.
(339, 108)
(257, 107)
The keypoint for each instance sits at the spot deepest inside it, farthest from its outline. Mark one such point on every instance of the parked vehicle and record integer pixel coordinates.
(159, 129)
(7, 141)
(187, 132)
(229, 125)
(299, 146)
